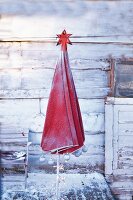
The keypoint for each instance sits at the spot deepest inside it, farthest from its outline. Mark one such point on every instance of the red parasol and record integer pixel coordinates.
(63, 130)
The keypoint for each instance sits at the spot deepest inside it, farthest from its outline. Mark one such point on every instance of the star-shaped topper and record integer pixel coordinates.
(64, 40)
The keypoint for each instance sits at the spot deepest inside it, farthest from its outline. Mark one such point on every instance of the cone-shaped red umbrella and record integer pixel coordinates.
(63, 130)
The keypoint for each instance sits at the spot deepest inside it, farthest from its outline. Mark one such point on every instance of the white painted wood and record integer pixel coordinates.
(125, 141)
(119, 101)
(10, 79)
(91, 51)
(125, 129)
(92, 114)
(86, 105)
(93, 122)
(126, 184)
(92, 18)
(115, 137)
(92, 92)
(19, 107)
(95, 143)
(46, 59)
(15, 124)
(42, 78)
(94, 51)
(121, 136)
(122, 197)
(126, 115)
(109, 122)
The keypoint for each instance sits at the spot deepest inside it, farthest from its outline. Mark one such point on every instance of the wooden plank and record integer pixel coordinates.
(10, 79)
(86, 105)
(33, 56)
(126, 164)
(123, 101)
(45, 14)
(123, 171)
(125, 151)
(125, 141)
(109, 138)
(93, 123)
(122, 191)
(91, 92)
(19, 107)
(94, 143)
(15, 146)
(127, 115)
(82, 164)
(89, 39)
(116, 178)
(115, 136)
(93, 158)
(92, 114)
(13, 178)
(126, 129)
(47, 59)
(42, 78)
(122, 197)
(126, 185)
(95, 51)
(13, 138)
(15, 124)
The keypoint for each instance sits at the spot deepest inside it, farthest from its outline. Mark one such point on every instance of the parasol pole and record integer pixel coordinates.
(57, 177)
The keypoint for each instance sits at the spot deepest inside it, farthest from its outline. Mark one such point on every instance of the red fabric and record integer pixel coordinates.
(63, 129)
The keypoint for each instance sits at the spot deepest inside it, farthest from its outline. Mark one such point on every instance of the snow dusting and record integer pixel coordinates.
(72, 187)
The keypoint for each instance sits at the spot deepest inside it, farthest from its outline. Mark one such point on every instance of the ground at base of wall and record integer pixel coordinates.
(72, 187)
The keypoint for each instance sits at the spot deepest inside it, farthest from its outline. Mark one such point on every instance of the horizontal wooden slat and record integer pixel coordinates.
(125, 151)
(14, 139)
(15, 146)
(125, 141)
(93, 123)
(91, 51)
(14, 135)
(18, 120)
(42, 78)
(81, 164)
(122, 191)
(19, 107)
(45, 14)
(116, 178)
(86, 105)
(125, 164)
(126, 116)
(122, 197)
(15, 124)
(95, 144)
(120, 101)
(126, 129)
(45, 59)
(13, 178)
(125, 185)
(92, 92)
(93, 158)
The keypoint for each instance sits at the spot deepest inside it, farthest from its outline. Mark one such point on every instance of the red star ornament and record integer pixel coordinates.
(64, 40)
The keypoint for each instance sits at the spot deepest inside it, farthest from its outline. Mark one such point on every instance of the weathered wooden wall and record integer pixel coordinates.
(119, 145)
(28, 55)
